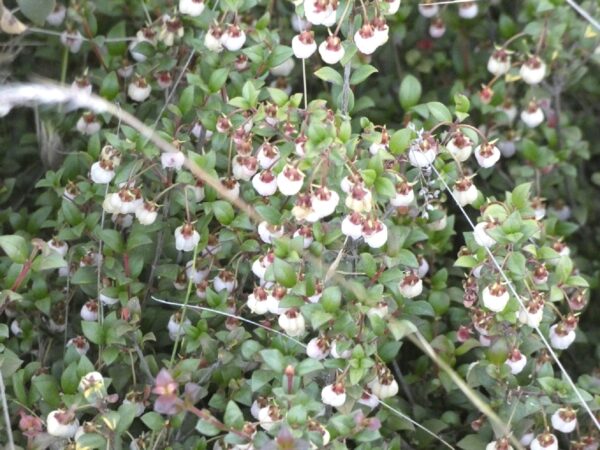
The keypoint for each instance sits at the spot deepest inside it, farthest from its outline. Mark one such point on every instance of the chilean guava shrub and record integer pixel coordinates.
(310, 224)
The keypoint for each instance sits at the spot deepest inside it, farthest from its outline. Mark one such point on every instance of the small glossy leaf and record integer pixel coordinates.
(15, 247)
(410, 92)
(362, 73)
(36, 10)
(439, 111)
(330, 75)
(284, 272)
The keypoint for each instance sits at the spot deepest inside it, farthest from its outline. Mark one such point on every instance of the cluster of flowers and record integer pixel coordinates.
(437, 28)
(532, 71)
(563, 420)
(373, 33)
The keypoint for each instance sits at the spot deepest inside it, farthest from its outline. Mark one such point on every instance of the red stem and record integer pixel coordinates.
(25, 270)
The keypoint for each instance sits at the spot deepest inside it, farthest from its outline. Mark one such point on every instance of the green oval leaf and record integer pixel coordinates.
(329, 75)
(15, 247)
(410, 92)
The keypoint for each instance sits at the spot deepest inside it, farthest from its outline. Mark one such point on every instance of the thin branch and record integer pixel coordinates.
(158, 250)
(583, 13)
(143, 364)
(233, 316)
(448, 2)
(174, 87)
(414, 422)
(100, 261)
(304, 85)
(184, 307)
(9, 435)
(347, 71)
(403, 383)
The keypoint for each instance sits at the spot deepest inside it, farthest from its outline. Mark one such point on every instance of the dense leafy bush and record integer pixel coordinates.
(312, 224)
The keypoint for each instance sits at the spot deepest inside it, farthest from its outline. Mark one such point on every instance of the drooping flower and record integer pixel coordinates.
(62, 423)
(167, 389)
(186, 237)
(334, 395)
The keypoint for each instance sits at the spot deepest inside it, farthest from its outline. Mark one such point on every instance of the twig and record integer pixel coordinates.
(403, 383)
(583, 13)
(447, 2)
(304, 85)
(157, 252)
(100, 261)
(174, 88)
(143, 364)
(414, 422)
(233, 316)
(347, 71)
(185, 303)
(9, 435)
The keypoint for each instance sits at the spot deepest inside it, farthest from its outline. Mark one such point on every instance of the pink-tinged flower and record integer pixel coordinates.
(368, 399)
(172, 160)
(545, 441)
(72, 40)
(233, 38)
(500, 444)
(487, 155)
(540, 274)
(352, 225)
(265, 183)
(365, 39)
(62, 423)
(437, 28)
(463, 334)
(304, 45)
(364, 422)
(318, 348)
(533, 70)
(334, 395)
(405, 195)
(427, 10)
(460, 147)
(331, 50)
(564, 420)
(57, 16)
(468, 10)
(191, 7)
(167, 390)
(29, 425)
(516, 361)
